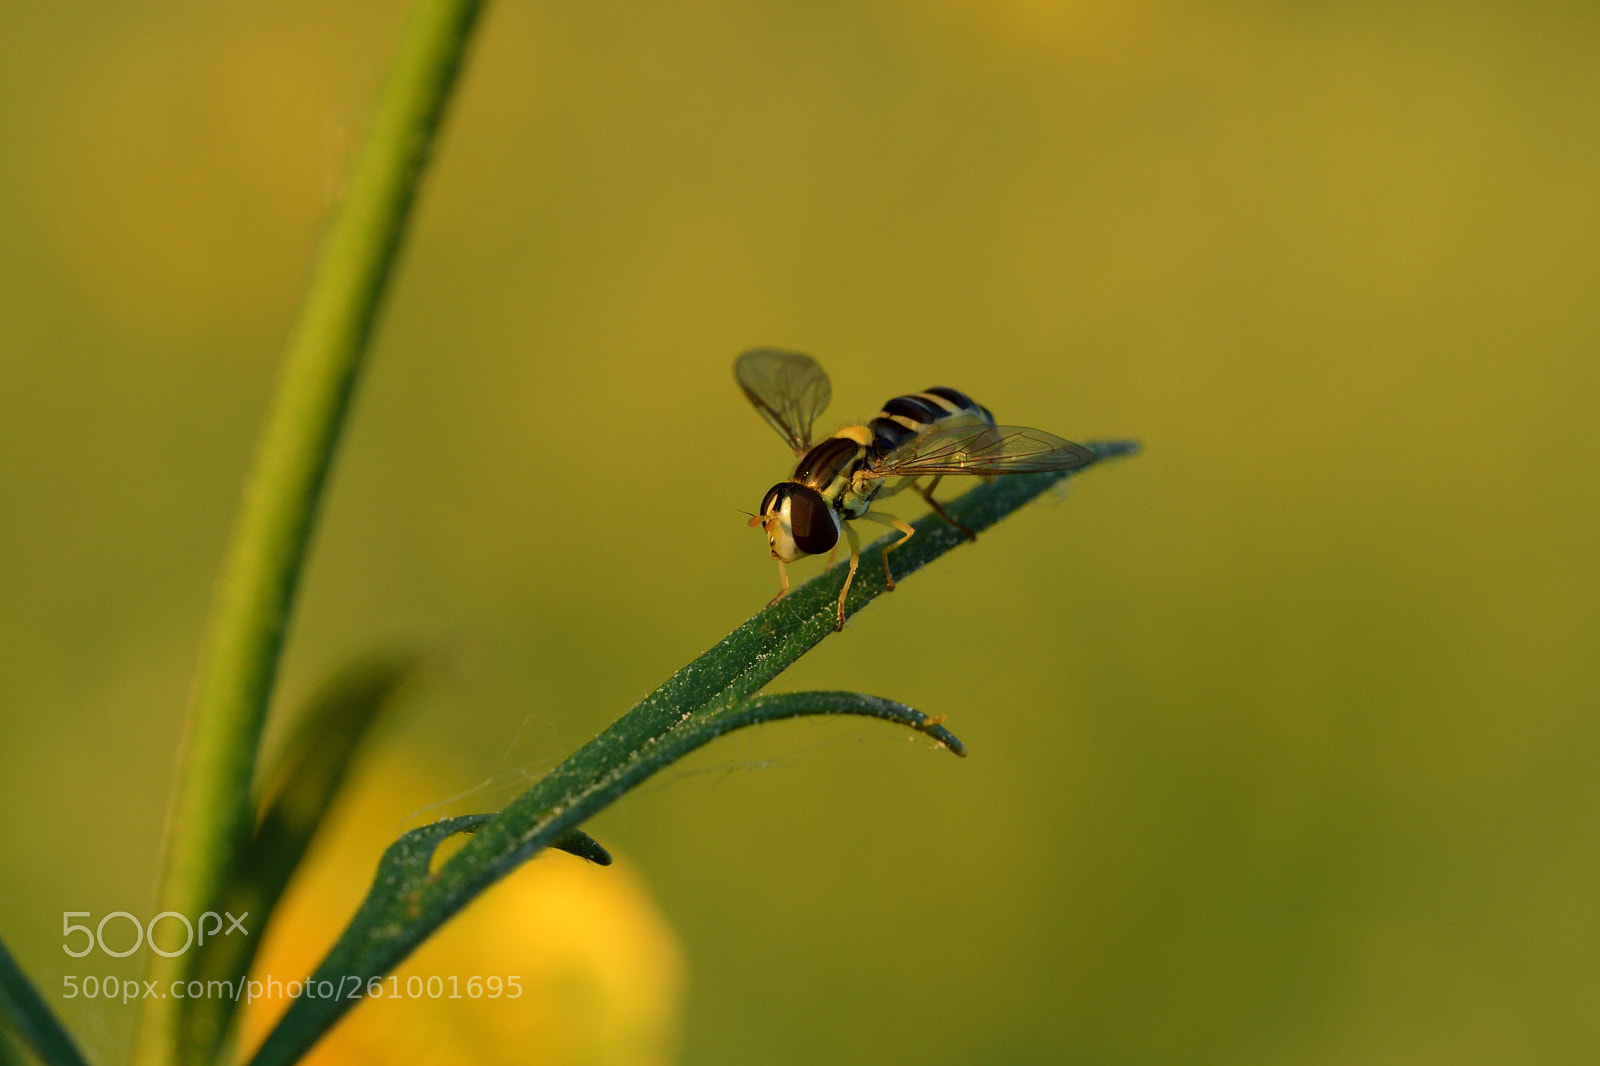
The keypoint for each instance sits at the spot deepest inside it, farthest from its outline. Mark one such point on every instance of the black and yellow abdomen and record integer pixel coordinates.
(906, 418)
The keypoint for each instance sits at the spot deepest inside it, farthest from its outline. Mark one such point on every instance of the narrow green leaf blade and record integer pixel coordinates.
(405, 903)
(25, 1010)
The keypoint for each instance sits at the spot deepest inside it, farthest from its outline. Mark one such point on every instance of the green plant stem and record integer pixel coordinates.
(211, 816)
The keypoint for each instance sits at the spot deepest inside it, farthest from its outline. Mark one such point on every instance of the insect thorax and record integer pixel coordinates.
(830, 465)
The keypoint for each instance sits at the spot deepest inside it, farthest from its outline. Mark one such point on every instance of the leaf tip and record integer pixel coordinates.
(583, 846)
(1113, 449)
(934, 728)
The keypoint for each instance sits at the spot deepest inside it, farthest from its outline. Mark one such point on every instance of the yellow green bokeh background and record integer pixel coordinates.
(1284, 734)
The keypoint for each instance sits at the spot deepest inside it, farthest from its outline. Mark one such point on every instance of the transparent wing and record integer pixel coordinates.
(981, 450)
(789, 389)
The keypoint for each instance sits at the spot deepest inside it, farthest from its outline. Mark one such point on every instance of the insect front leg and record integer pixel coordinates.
(783, 572)
(855, 559)
(895, 523)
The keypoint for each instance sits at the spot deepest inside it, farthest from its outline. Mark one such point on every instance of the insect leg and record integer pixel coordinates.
(855, 559)
(889, 520)
(765, 522)
(926, 492)
(783, 572)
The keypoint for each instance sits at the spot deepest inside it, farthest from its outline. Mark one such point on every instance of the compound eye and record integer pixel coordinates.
(769, 502)
(812, 521)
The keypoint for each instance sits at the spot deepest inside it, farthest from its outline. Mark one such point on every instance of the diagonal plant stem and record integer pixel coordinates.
(211, 816)
(709, 697)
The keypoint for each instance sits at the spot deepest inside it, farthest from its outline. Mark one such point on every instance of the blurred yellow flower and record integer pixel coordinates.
(599, 970)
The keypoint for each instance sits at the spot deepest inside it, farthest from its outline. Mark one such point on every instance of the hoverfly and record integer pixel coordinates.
(926, 434)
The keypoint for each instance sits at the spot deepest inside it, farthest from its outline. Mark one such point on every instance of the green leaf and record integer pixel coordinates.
(25, 1010)
(709, 697)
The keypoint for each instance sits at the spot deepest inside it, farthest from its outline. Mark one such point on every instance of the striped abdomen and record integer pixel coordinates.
(906, 417)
